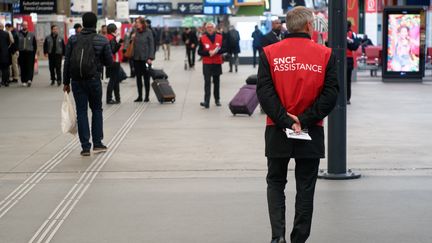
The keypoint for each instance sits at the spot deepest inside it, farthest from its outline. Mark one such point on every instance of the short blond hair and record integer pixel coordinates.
(297, 18)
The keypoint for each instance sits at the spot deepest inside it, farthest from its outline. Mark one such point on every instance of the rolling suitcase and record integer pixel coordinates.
(163, 91)
(252, 79)
(157, 74)
(245, 101)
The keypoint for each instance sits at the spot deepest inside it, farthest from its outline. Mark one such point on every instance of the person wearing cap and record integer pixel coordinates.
(297, 88)
(88, 92)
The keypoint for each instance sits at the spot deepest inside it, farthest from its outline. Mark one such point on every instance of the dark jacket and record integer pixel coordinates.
(144, 47)
(270, 38)
(102, 52)
(189, 39)
(233, 42)
(14, 48)
(5, 55)
(277, 144)
(257, 35)
(166, 37)
(27, 41)
(49, 44)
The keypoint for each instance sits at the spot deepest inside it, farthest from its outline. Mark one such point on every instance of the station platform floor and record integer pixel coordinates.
(179, 173)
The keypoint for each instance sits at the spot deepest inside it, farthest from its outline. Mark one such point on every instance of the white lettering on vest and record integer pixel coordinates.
(285, 64)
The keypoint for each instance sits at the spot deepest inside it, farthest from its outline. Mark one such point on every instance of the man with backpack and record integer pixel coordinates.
(86, 54)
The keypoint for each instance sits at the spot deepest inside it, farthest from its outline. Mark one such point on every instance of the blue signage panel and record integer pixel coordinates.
(154, 8)
(190, 8)
(216, 10)
(218, 2)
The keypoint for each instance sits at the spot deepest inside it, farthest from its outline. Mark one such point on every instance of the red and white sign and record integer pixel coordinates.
(371, 6)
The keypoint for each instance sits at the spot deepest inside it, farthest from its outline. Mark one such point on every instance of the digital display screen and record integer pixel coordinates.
(403, 44)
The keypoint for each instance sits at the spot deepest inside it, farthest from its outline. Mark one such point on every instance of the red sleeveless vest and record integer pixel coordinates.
(298, 67)
(208, 46)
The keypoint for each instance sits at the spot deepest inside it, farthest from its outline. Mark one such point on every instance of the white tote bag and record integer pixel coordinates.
(68, 115)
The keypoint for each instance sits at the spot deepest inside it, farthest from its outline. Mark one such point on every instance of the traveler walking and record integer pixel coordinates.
(297, 88)
(14, 69)
(143, 56)
(211, 49)
(257, 35)
(190, 39)
(166, 42)
(27, 53)
(156, 37)
(85, 55)
(54, 48)
(5, 55)
(233, 48)
(114, 70)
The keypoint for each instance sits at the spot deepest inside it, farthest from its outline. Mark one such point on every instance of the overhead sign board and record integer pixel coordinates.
(38, 6)
(190, 8)
(218, 2)
(154, 8)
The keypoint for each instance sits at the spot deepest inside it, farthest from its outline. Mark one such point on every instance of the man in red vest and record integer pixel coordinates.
(297, 88)
(211, 49)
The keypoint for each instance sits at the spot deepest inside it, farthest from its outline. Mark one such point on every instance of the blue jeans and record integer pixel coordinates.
(89, 93)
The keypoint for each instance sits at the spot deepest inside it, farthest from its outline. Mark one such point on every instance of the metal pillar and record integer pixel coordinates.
(337, 142)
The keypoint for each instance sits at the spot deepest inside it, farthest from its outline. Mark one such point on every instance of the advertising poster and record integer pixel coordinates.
(403, 47)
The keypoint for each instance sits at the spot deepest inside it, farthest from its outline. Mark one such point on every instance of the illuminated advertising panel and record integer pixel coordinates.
(404, 42)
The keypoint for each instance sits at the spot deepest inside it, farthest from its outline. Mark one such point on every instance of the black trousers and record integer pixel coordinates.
(55, 61)
(141, 72)
(350, 67)
(26, 61)
(306, 174)
(207, 87)
(190, 52)
(132, 68)
(255, 50)
(5, 75)
(114, 82)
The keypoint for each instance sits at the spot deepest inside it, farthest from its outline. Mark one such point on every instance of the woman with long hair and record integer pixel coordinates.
(143, 55)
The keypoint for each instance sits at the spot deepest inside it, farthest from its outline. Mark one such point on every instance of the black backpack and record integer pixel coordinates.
(83, 59)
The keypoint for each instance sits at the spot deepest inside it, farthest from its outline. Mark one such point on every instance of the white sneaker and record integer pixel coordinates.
(24, 84)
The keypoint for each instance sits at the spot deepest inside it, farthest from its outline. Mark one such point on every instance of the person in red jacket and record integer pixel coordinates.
(297, 88)
(113, 71)
(211, 49)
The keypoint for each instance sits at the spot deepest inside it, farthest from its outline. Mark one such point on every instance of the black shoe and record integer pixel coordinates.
(138, 100)
(29, 83)
(205, 104)
(14, 80)
(58, 84)
(348, 102)
(279, 240)
(236, 70)
(85, 152)
(111, 102)
(52, 83)
(5, 84)
(218, 103)
(117, 101)
(146, 100)
(230, 71)
(99, 149)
